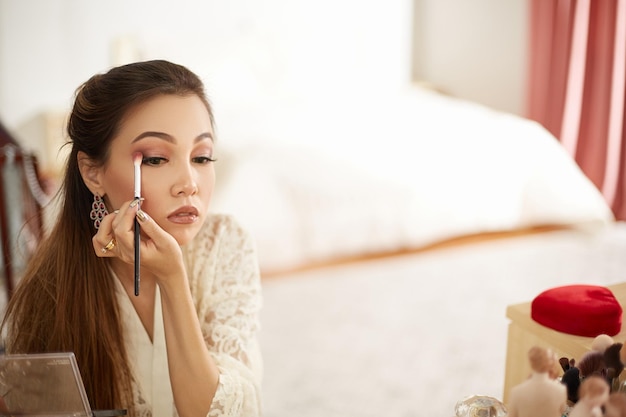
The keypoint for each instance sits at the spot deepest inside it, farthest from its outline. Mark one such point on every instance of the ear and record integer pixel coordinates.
(91, 173)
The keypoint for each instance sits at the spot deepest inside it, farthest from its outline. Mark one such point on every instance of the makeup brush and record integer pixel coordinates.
(137, 158)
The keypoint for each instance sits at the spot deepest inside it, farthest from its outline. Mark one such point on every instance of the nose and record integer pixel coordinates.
(185, 183)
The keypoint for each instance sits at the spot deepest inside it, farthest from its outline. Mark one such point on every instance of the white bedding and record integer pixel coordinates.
(342, 174)
(412, 335)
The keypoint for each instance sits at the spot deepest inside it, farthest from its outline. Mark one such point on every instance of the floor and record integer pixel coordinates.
(414, 334)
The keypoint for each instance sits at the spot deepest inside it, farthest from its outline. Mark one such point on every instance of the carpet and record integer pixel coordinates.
(414, 334)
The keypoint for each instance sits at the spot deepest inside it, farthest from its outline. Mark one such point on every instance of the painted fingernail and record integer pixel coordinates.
(141, 215)
(136, 201)
(116, 211)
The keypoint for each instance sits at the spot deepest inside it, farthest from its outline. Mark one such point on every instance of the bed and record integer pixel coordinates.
(317, 180)
(393, 230)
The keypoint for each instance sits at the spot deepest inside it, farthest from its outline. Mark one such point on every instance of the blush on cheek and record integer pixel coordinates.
(147, 207)
(150, 195)
(121, 186)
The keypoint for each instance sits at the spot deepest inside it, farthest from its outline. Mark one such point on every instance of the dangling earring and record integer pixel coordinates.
(98, 211)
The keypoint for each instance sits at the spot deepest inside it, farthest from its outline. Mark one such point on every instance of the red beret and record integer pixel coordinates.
(581, 310)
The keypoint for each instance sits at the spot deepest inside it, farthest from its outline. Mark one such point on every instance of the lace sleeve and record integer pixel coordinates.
(225, 282)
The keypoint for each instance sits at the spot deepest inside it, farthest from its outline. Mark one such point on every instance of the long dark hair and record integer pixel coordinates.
(65, 300)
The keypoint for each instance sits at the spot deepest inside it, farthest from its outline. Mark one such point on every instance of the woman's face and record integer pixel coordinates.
(175, 136)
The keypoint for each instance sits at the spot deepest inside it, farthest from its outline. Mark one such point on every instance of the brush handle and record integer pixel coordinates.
(136, 224)
(137, 177)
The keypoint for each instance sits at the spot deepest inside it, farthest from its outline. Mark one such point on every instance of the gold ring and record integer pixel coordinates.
(109, 246)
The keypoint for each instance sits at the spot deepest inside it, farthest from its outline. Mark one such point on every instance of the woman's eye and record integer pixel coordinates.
(153, 160)
(203, 159)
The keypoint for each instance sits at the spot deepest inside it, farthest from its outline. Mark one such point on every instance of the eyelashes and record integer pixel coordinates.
(159, 160)
(204, 159)
(153, 160)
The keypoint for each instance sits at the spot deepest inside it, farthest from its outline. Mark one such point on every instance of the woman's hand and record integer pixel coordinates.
(159, 252)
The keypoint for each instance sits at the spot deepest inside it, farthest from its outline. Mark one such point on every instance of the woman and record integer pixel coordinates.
(187, 343)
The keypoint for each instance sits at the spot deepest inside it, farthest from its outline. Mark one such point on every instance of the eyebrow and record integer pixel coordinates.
(169, 138)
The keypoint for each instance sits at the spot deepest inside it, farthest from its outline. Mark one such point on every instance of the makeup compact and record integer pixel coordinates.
(45, 384)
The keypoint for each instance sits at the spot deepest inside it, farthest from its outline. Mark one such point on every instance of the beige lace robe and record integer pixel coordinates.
(225, 284)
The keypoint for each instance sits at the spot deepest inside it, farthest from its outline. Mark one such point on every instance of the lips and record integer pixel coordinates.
(184, 215)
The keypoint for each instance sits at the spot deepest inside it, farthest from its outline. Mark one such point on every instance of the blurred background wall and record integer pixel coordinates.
(473, 49)
(247, 50)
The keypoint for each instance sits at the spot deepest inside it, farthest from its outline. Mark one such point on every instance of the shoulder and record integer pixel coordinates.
(223, 250)
(219, 229)
(558, 385)
(520, 387)
(520, 392)
(223, 273)
(222, 240)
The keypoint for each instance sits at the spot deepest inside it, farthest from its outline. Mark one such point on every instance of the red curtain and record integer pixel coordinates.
(577, 86)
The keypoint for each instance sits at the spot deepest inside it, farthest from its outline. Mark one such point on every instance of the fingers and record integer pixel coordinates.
(114, 238)
(104, 241)
(109, 246)
(160, 253)
(123, 222)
